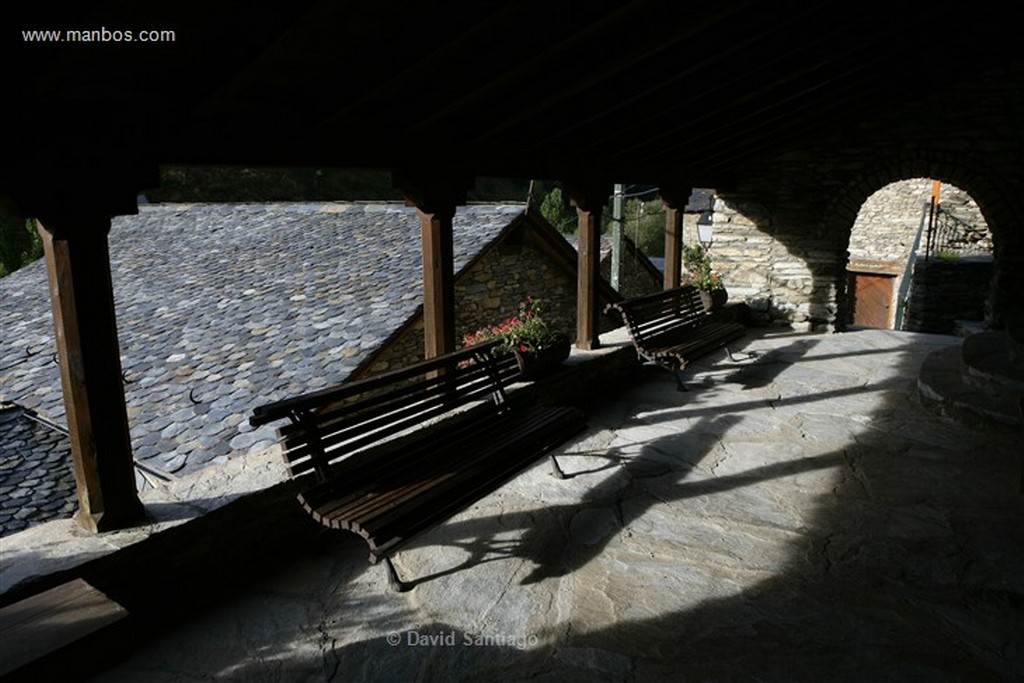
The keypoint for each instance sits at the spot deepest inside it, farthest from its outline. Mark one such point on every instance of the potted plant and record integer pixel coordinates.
(525, 334)
(700, 274)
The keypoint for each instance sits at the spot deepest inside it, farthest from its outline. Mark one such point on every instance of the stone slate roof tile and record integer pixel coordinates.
(221, 307)
(701, 199)
(37, 481)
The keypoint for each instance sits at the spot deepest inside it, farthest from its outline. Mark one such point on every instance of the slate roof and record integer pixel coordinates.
(701, 199)
(37, 480)
(221, 307)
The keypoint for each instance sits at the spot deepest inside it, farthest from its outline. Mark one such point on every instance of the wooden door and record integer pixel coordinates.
(872, 299)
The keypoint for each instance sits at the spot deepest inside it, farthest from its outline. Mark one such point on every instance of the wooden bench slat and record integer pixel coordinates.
(369, 464)
(370, 476)
(699, 335)
(433, 387)
(365, 512)
(357, 433)
(454, 455)
(482, 485)
(282, 409)
(383, 421)
(337, 420)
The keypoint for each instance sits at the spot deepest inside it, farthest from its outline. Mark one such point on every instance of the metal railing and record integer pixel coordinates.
(950, 235)
(903, 297)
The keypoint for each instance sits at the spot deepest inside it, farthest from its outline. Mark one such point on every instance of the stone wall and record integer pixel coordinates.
(888, 222)
(744, 253)
(962, 205)
(801, 205)
(634, 277)
(792, 271)
(777, 272)
(943, 292)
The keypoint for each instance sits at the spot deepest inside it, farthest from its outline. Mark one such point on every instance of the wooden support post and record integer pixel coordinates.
(589, 200)
(675, 203)
(78, 262)
(438, 281)
(435, 198)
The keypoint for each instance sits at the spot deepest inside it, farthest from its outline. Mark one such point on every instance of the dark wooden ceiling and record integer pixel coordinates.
(635, 91)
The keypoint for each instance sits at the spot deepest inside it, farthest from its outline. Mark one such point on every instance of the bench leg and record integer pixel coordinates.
(678, 374)
(555, 469)
(734, 359)
(394, 582)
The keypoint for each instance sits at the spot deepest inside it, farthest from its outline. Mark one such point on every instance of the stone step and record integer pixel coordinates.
(986, 359)
(966, 328)
(943, 386)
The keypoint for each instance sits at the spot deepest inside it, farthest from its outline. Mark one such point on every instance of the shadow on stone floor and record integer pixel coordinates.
(914, 568)
(911, 566)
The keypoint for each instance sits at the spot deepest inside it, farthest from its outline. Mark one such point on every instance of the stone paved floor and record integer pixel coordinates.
(802, 518)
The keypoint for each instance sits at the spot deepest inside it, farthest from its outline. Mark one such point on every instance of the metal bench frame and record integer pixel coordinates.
(672, 327)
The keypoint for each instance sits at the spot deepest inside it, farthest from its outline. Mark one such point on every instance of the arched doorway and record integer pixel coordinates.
(907, 223)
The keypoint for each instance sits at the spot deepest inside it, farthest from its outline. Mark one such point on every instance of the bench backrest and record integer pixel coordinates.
(661, 314)
(331, 425)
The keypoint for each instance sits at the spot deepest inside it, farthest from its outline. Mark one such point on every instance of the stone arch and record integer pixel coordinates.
(1000, 211)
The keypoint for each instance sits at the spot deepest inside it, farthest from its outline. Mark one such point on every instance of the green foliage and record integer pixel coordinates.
(699, 272)
(556, 211)
(524, 331)
(19, 241)
(644, 223)
(240, 184)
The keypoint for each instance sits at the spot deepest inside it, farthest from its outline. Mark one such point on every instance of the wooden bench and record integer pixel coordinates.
(394, 455)
(672, 327)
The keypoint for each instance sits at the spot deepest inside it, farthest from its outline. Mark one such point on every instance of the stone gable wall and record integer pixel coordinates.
(489, 292)
(634, 279)
(889, 220)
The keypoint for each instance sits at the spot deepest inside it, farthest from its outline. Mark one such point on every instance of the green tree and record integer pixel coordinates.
(644, 223)
(19, 242)
(557, 212)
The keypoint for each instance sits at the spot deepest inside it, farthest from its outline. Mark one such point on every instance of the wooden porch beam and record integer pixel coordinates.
(435, 198)
(81, 293)
(438, 281)
(674, 201)
(589, 199)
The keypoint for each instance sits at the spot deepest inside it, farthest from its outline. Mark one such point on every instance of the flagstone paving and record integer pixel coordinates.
(799, 518)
